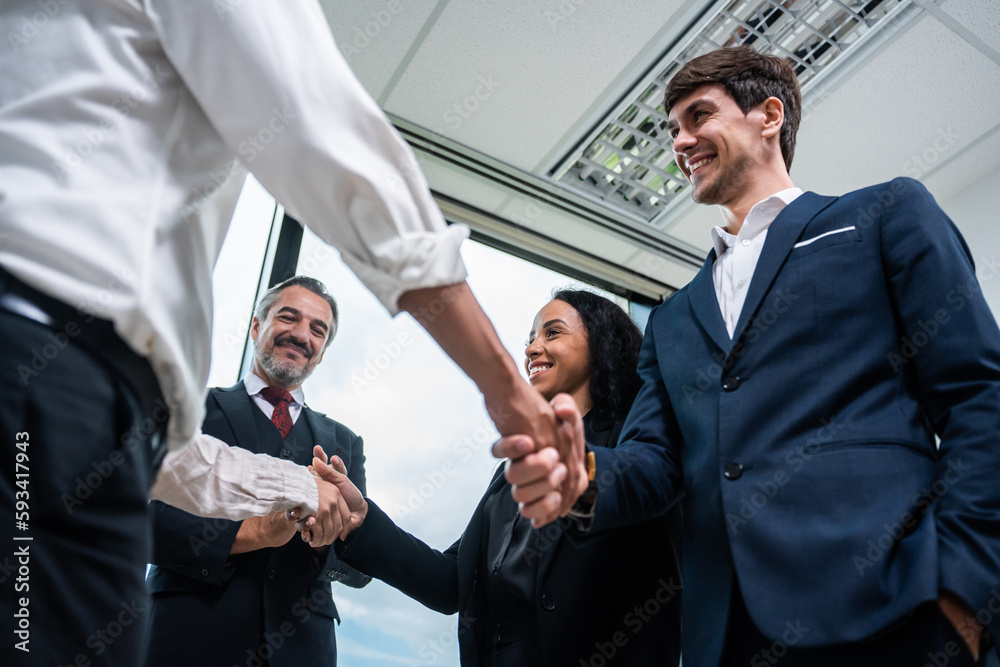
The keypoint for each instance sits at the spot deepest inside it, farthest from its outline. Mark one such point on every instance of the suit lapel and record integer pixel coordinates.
(324, 434)
(782, 235)
(238, 408)
(705, 304)
(496, 483)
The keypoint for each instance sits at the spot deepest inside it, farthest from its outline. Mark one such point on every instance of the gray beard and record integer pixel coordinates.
(284, 372)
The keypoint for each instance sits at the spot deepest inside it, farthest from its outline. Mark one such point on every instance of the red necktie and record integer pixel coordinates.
(281, 417)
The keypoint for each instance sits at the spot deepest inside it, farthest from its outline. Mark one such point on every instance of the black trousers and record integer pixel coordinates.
(75, 473)
(925, 639)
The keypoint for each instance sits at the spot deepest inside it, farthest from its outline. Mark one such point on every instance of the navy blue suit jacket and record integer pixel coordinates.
(806, 444)
(207, 603)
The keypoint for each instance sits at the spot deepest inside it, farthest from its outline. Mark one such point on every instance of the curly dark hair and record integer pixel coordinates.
(750, 78)
(613, 340)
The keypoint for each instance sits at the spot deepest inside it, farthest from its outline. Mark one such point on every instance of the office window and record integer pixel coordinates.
(235, 279)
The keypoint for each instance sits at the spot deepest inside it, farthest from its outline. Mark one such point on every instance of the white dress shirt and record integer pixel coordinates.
(253, 383)
(126, 131)
(736, 255)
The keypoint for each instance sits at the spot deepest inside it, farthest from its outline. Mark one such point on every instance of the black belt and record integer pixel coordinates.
(101, 341)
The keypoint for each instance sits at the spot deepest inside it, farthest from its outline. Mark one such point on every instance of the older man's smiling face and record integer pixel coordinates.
(290, 342)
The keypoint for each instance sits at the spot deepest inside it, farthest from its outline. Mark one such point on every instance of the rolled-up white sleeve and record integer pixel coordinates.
(271, 80)
(209, 478)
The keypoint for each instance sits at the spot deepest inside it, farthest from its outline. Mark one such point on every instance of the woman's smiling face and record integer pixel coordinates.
(557, 355)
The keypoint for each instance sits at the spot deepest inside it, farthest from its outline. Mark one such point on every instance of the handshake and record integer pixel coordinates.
(342, 509)
(547, 472)
(545, 481)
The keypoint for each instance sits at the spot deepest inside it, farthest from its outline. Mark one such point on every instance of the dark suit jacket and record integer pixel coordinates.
(208, 605)
(615, 600)
(806, 445)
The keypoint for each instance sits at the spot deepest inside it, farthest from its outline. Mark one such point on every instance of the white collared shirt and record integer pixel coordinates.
(126, 131)
(254, 384)
(736, 255)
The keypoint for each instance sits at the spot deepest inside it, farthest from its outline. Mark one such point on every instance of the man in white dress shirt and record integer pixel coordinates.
(126, 130)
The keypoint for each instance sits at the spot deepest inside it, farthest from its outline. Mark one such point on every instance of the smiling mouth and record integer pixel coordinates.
(294, 347)
(695, 166)
(535, 370)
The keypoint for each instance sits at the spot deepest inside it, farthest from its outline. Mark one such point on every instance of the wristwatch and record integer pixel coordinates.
(582, 512)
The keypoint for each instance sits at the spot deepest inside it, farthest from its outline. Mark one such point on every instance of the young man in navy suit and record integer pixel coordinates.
(796, 391)
(250, 592)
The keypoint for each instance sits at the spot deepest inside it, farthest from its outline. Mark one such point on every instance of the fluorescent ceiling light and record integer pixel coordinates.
(627, 162)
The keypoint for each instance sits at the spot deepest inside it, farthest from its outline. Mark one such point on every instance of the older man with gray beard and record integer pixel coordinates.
(245, 592)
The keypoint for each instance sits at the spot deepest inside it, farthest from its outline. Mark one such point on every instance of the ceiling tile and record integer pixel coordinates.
(918, 102)
(967, 167)
(374, 36)
(980, 17)
(509, 78)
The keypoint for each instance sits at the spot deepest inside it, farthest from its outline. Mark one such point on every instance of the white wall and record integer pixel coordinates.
(975, 210)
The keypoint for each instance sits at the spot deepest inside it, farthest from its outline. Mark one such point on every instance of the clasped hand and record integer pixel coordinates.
(546, 469)
(547, 479)
(342, 508)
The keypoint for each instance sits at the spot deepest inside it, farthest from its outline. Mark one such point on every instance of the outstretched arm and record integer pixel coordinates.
(453, 317)
(356, 184)
(376, 546)
(211, 479)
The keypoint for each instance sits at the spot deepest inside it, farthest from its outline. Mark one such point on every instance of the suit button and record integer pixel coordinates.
(271, 573)
(286, 453)
(204, 572)
(548, 604)
(731, 383)
(733, 471)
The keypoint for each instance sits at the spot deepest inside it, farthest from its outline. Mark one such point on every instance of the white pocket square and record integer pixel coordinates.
(802, 244)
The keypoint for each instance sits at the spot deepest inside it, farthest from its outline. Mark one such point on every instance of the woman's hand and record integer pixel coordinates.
(336, 473)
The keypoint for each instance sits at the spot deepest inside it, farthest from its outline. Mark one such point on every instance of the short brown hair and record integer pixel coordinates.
(750, 78)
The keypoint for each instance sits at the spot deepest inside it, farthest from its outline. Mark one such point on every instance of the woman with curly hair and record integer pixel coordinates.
(541, 598)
